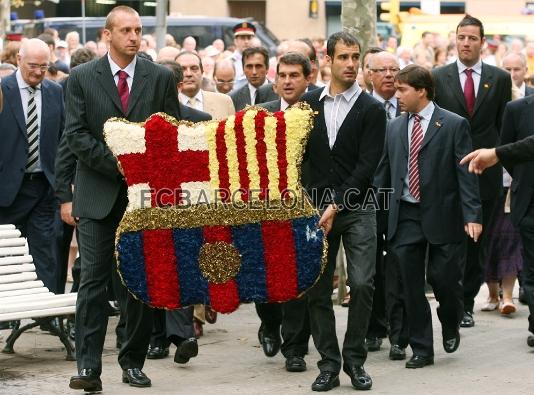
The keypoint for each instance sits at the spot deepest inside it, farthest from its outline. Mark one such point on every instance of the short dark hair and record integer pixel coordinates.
(469, 20)
(253, 51)
(295, 58)
(81, 56)
(48, 39)
(425, 33)
(417, 77)
(176, 69)
(369, 51)
(190, 53)
(346, 38)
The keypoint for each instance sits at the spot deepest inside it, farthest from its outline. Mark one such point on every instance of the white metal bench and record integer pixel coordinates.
(24, 296)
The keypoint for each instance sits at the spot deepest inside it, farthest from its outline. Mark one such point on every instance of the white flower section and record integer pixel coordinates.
(192, 138)
(125, 138)
(197, 193)
(139, 197)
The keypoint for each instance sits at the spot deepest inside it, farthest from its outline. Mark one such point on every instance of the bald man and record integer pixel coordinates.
(516, 65)
(167, 53)
(32, 123)
(224, 75)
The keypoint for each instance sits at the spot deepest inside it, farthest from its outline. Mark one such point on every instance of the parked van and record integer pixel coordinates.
(203, 29)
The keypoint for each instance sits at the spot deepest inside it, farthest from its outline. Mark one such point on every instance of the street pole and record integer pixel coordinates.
(5, 11)
(358, 17)
(161, 23)
(83, 22)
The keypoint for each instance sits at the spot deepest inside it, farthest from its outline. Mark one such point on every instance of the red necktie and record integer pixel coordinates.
(469, 91)
(123, 89)
(413, 167)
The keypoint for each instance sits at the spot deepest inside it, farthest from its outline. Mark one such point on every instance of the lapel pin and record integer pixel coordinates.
(486, 86)
(438, 124)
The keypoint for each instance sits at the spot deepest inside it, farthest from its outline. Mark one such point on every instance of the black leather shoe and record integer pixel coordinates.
(87, 380)
(270, 342)
(186, 350)
(530, 341)
(418, 361)
(397, 353)
(136, 378)
(295, 364)
(451, 340)
(522, 296)
(325, 381)
(468, 321)
(358, 377)
(373, 343)
(157, 352)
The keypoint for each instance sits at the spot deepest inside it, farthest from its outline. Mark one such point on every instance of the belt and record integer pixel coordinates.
(34, 176)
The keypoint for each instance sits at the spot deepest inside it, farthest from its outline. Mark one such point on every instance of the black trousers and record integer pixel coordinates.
(399, 330)
(33, 213)
(172, 326)
(444, 273)
(476, 256)
(526, 228)
(64, 237)
(378, 323)
(293, 319)
(358, 230)
(97, 246)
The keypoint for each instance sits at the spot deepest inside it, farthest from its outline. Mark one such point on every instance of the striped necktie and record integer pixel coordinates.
(32, 128)
(413, 167)
(387, 107)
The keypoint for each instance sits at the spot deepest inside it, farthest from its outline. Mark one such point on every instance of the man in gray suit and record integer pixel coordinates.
(434, 201)
(255, 66)
(119, 84)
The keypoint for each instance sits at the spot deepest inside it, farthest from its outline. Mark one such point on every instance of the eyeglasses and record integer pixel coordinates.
(222, 82)
(35, 66)
(384, 70)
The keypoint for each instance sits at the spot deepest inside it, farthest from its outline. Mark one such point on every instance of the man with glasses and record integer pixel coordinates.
(224, 76)
(32, 123)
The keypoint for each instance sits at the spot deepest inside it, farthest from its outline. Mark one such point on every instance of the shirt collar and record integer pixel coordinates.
(184, 98)
(392, 99)
(523, 88)
(426, 113)
(130, 69)
(354, 90)
(477, 68)
(283, 104)
(23, 84)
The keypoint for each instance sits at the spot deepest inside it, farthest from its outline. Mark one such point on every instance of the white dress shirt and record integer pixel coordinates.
(130, 70)
(24, 97)
(283, 104)
(426, 115)
(392, 100)
(199, 100)
(477, 73)
(337, 107)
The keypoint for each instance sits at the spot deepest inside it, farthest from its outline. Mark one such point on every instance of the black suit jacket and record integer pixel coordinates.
(518, 123)
(348, 168)
(192, 114)
(14, 137)
(92, 98)
(272, 106)
(266, 94)
(529, 90)
(494, 91)
(449, 193)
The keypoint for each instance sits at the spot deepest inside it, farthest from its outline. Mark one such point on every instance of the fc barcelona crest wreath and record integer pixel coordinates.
(216, 213)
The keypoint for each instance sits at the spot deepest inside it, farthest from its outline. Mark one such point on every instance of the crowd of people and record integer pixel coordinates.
(387, 118)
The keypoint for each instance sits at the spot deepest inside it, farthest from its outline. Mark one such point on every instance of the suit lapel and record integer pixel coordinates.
(486, 81)
(138, 85)
(404, 131)
(106, 80)
(14, 101)
(434, 125)
(456, 86)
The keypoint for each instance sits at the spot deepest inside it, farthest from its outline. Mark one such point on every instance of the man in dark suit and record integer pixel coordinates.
(479, 93)
(517, 156)
(341, 156)
(291, 318)
(516, 65)
(117, 85)
(434, 201)
(388, 305)
(32, 123)
(255, 66)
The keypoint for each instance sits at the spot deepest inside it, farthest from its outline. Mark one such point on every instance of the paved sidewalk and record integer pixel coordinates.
(493, 359)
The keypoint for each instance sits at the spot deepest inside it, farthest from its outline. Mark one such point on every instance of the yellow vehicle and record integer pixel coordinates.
(412, 26)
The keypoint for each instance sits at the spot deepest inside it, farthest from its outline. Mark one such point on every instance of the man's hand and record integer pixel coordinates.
(66, 213)
(327, 219)
(480, 160)
(473, 230)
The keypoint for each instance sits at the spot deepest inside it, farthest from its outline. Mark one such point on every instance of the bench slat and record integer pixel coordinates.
(12, 260)
(14, 242)
(25, 291)
(24, 285)
(11, 269)
(17, 278)
(7, 227)
(38, 313)
(36, 304)
(26, 298)
(7, 251)
(9, 233)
